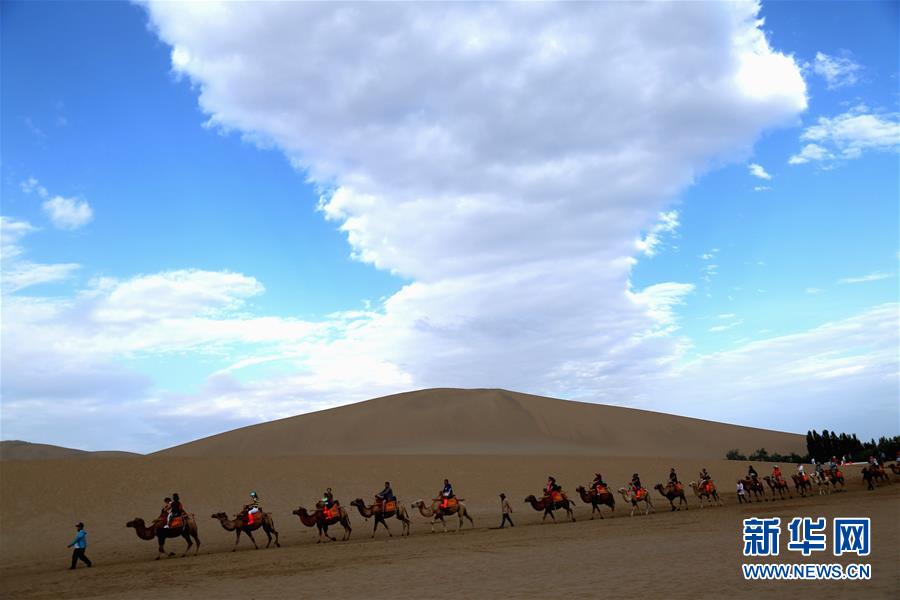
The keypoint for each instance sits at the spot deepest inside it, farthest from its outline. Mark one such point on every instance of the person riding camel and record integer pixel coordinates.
(446, 493)
(552, 489)
(705, 479)
(598, 484)
(252, 508)
(673, 479)
(776, 474)
(636, 486)
(164, 512)
(752, 474)
(384, 496)
(820, 470)
(176, 508)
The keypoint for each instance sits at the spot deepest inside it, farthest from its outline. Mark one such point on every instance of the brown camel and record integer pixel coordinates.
(802, 483)
(548, 506)
(630, 497)
(879, 475)
(778, 485)
(672, 491)
(382, 516)
(755, 487)
(161, 533)
(708, 492)
(835, 477)
(321, 521)
(596, 499)
(436, 512)
(895, 469)
(237, 525)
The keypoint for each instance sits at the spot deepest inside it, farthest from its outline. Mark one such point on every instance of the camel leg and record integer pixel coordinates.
(250, 535)
(187, 537)
(237, 538)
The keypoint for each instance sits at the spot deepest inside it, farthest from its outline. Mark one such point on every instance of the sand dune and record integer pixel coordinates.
(19, 450)
(487, 422)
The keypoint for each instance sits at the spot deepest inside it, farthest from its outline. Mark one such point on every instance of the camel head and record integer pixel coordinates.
(658, 486)
(358, 502)
(219, 515)
(693, 485)
(417, 503)
(623, 491)
(135, 522)
(580, 489)
(300, 511)
(531, 498)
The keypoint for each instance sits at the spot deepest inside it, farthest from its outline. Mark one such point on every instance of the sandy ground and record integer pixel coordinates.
(694, 553)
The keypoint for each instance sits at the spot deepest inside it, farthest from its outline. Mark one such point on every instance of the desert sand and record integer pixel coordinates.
(685, 554)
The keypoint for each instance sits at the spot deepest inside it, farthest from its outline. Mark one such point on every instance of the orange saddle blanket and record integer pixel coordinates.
(449, 503)
(556, 496)
(389, 506)
(176, 523)
(641, 493)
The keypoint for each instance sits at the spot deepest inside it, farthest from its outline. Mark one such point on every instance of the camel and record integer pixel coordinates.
(237, 525)
(755, 487)
(822, 483)
(629, 497)
(835, 477)
(801, 483)
(318, 518)
(382, 516)
(595, 499)
(548, 506)
(778, 485)
(708, 491)
(895, 469)
(879, 475)
(436, 512)
(670, 492)
(161, 533)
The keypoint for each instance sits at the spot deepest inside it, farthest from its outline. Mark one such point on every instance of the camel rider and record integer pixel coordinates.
(673, 479)
(636, 486)
(705, 478)
(253, 507)
(776, 473)
(598, 482)
(819, 469)
(752, 474)
(328, 499)
(176, 508)
(551, 487)
(386, 495)
(446, 493)
(167, 506)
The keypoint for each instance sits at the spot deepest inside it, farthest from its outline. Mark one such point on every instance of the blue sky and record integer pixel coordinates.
(209, 224)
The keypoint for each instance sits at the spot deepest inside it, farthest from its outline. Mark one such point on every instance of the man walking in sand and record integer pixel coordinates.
(507, 510)
(80, 545)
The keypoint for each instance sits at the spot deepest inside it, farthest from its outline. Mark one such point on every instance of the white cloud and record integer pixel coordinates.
(758, 171)
(762, 188)
(67, 213)
(503, 158)
(17, 272)
(865, 278)
(848, 135)
(809, 153)
(811, 379)
(838, 71)
(727, 326)
(814, 291)
(32, 185)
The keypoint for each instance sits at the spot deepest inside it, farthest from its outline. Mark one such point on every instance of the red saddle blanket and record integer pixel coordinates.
(709, 487)
(640, 494)
(601, 489)
(449, 503)
(176, 523)
(390, 506)
(252, 519)
(332, 513)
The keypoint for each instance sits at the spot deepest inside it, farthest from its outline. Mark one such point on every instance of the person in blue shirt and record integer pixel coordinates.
(386, 495)
(80, 545)
(446, 493)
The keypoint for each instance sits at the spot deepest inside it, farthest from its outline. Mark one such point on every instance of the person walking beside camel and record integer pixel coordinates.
(80, 545)
(507, 510)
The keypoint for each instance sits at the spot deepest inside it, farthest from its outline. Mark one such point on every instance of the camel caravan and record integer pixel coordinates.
(176, 522)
